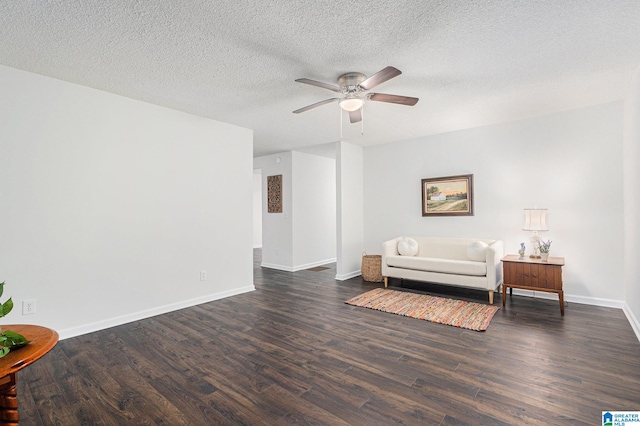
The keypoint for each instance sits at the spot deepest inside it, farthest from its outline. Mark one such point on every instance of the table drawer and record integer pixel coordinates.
(533, 275)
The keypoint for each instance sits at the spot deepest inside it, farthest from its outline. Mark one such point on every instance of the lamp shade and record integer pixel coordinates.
(535, 220)
(351, 103)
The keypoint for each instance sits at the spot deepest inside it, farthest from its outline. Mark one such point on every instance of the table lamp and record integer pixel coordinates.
(535, 220)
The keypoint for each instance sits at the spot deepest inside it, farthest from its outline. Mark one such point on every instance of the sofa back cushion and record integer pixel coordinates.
(445, 248)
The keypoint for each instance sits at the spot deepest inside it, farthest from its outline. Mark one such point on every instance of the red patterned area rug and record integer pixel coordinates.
(459, 313)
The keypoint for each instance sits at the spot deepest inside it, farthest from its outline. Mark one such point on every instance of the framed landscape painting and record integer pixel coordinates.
(448, 196)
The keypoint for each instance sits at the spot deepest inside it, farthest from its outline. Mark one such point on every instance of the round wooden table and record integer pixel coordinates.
(41, 340)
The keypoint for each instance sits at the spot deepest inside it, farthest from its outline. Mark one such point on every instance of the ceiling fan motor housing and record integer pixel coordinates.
(350, 82)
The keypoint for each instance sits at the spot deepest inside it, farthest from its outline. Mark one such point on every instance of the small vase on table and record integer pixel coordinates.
(544, 250)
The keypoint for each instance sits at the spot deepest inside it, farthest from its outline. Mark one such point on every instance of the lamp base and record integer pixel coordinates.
(535, 243)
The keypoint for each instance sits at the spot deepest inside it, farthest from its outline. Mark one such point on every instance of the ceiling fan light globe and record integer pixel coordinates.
(351, 104)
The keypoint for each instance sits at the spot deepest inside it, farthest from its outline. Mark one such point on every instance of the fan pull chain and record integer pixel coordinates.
(342, 114)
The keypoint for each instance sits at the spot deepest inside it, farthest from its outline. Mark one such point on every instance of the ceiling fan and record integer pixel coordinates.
(354, 86)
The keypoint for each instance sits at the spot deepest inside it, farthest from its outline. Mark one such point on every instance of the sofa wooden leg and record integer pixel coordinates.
(491, 297)
(386, 282)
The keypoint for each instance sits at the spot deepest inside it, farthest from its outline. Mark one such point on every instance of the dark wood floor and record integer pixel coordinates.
(293, 352)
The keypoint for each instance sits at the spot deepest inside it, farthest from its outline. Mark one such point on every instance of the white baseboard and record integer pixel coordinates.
(297, 267)
(607, 303)
(635, 324)
(348, 276)
(314, 264)
(339, 277)
(136, 316)
(276, 266)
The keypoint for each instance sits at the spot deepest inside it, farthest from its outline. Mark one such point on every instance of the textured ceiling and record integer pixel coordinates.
(470, 63)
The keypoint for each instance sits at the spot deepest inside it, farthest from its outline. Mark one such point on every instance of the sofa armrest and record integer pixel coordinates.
(389, 248)
(495, 252)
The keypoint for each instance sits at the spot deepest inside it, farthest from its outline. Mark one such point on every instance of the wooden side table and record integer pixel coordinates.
(533, 274)
(41, 341)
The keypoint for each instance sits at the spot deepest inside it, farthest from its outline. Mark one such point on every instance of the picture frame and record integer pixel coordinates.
(447, 196)
(274, 194)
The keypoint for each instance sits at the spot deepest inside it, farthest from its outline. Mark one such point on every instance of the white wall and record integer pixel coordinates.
(257, 208)
(631, 155)
(569, 162)
(111, 207)
(314, 210)
(303, 235)
(350, 221)
(277, 228)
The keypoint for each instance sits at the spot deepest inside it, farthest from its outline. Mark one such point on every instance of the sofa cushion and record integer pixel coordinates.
(432, 264)
(443, 248)
(408, 247)
(477, 251)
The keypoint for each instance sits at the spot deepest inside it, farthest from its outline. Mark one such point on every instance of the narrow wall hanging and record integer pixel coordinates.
(274, 194)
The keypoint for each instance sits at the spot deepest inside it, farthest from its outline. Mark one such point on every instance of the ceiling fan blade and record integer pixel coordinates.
(333, 87)
(317, 104)
(380, 77)
(355, 116)
(394, 99)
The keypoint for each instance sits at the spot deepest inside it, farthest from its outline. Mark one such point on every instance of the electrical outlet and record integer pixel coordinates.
(203, 275)
(29, 307)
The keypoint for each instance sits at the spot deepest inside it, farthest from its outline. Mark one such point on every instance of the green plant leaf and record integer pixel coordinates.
(4, 351)
(6, 307)
(14, 339)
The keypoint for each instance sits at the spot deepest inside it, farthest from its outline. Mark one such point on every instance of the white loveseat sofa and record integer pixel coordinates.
(463, 262)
